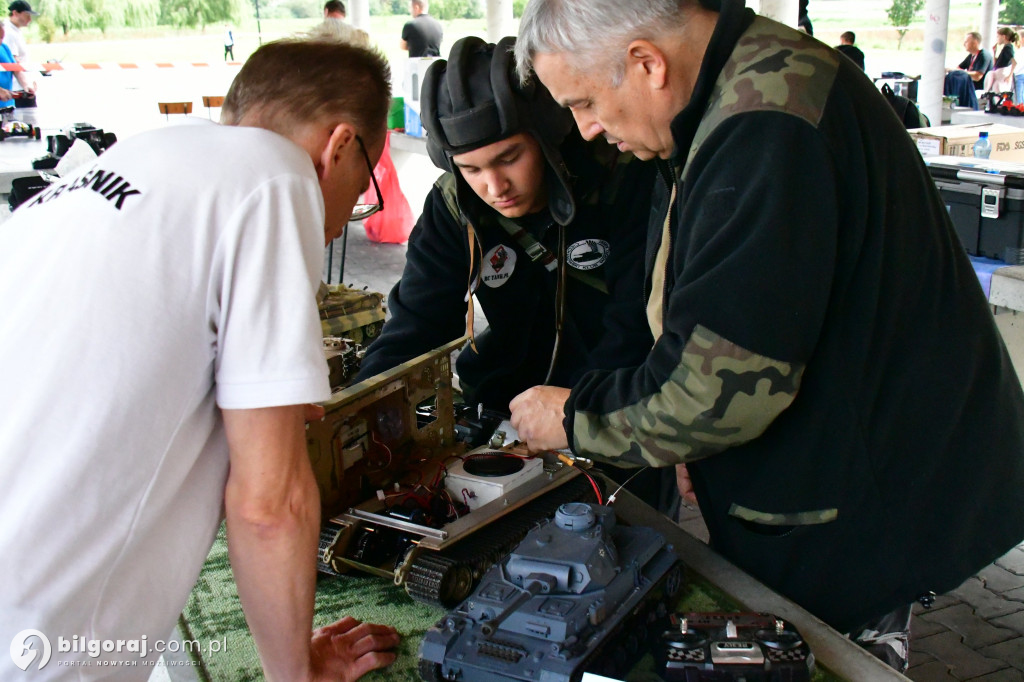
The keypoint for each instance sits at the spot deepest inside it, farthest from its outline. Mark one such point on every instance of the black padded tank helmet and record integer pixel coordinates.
(475, 99)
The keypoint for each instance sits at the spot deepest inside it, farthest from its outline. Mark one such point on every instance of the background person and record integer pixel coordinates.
(6, 81)
(964, 81)
(847, 47)
(334, 9)
(838, 424)
(978, 62)
(20, 15)
(200, 348)
(1000, 78)
(423, 35)
(229, 43)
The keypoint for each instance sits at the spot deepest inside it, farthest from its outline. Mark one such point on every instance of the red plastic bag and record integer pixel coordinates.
(395, 222)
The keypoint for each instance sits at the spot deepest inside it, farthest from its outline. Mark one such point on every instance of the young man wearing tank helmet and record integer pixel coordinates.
(545, 229)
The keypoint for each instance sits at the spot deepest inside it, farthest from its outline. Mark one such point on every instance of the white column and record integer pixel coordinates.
(989, 23)
(499, 20)
(933, 64)
(358, 13)
(784, 11)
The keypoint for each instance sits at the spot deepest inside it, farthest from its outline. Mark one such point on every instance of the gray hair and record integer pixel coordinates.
(336, 29)
(593, 33)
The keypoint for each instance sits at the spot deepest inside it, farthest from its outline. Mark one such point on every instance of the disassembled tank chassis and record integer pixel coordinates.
(380, 455)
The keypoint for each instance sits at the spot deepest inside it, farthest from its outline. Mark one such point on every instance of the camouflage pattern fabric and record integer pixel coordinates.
(720, 395)
(806, 518)
(772, 68)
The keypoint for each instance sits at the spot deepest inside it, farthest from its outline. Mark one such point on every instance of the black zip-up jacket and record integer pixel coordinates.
(604, 325)
(824, 356)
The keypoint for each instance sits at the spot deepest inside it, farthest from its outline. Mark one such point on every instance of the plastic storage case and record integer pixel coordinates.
(985, 200)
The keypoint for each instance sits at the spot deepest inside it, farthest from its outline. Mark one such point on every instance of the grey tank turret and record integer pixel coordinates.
(555, 607)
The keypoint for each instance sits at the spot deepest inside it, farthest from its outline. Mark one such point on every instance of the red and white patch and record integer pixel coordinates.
(498, 265)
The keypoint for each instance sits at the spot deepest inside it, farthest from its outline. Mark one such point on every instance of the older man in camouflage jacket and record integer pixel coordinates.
(824, 359)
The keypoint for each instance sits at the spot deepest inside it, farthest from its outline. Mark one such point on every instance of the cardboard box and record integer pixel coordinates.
(1007, 141)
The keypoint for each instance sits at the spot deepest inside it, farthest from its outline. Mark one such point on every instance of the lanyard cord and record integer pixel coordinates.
(474, 280)
(559, 304)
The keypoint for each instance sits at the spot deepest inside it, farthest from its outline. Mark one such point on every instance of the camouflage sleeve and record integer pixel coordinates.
(719, 395)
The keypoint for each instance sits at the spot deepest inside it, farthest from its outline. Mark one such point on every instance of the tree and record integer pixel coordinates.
(519, 5)
(1012, 12)
(901, 13)
(192, 13)
(447, 10)
(69, 15)
(139, 13)
(104, 14)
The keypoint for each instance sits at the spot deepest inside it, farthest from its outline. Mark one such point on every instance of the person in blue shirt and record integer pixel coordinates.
(7, 81)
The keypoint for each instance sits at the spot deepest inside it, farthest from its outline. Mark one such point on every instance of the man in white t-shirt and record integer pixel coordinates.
(159, 342)
(19, 17)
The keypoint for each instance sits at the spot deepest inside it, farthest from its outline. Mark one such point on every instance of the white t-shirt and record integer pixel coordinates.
(176, 275)
(14, 40)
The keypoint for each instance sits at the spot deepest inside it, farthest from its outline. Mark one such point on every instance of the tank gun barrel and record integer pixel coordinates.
(534, 584)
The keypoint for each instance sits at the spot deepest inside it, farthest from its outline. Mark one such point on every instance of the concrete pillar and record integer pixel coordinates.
(989, 23)
(499, 20)
(933, 60)
(358, 13)
(784, 11)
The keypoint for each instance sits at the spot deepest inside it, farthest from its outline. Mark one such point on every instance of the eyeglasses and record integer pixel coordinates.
(363, 211)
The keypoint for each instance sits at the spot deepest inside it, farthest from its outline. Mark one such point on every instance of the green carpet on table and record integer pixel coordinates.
(213, 612)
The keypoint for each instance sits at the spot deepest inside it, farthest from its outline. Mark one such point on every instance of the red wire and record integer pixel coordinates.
(597, 491)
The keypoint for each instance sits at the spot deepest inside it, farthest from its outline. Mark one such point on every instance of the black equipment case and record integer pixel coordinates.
(985, 200)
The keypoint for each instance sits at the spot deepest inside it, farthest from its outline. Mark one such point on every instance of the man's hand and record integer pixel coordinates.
(685, 485)
(537, 415)
(6, 95)
(346, 650)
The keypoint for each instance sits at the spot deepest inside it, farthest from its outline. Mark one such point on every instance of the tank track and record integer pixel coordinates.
(434, 578)
(328, 534)
(433, 575)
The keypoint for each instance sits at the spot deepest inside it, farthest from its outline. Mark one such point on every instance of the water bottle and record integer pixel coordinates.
(982, 148)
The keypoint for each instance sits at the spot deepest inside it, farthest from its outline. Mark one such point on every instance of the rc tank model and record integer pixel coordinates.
(579, 594)
(354, 314)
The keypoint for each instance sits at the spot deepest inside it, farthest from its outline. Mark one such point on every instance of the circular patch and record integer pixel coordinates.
(498, 265)
(587, 254)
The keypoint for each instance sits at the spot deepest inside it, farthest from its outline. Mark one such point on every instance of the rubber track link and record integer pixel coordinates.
(437, 579)
(433, 575)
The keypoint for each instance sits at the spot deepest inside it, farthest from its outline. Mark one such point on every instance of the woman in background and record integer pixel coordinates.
(1000, 78)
